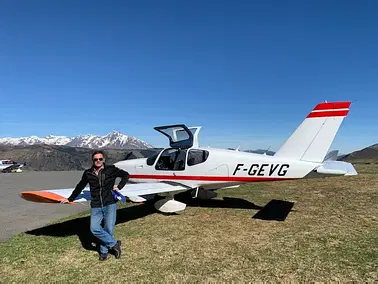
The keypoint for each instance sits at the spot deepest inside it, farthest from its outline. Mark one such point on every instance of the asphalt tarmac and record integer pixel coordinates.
(18, 215)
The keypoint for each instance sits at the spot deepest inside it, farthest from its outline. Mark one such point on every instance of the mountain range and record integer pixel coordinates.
(43, 157)
(56, 153)
(366, 155)
(113, 140)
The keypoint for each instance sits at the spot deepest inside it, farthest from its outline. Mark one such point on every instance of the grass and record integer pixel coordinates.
(330, 235)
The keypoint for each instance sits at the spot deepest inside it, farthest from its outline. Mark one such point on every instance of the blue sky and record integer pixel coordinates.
(247, 71)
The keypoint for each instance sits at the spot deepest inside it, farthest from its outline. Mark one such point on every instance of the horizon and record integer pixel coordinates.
(53, 135)
(248, 72)
(341, 153)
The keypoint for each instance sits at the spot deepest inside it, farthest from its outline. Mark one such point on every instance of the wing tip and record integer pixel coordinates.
(42, 197)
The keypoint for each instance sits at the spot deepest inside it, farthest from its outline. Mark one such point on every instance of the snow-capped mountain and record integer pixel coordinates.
(32, 140)
(113, 140)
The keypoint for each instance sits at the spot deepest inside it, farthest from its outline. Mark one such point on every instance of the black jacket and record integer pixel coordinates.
(101, 186)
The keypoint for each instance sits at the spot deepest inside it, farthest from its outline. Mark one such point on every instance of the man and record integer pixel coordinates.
(101, 179)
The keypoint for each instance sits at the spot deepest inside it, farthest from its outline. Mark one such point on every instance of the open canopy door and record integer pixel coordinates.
(179, 135)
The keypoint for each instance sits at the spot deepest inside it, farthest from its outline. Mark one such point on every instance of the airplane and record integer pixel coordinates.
(9, 166)
(185, 166)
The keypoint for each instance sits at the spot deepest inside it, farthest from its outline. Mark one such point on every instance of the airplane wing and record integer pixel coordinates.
(134, 192)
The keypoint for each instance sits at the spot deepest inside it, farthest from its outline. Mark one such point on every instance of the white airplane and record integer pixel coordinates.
(186, 166)
(9, 166)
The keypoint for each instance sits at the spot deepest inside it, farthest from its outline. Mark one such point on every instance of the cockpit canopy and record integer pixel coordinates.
(180, 136)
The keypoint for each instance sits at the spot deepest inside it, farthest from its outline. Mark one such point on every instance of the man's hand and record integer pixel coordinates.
(64, 200)
(115, 187)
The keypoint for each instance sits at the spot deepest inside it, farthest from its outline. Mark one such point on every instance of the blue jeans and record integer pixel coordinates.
(105, 235)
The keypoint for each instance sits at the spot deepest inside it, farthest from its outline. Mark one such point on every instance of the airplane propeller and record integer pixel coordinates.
(128, 155)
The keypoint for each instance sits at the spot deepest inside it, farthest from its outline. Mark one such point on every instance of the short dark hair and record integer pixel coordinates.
(97, 152)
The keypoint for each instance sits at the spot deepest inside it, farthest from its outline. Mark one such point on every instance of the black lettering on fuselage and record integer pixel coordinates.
(252, 173)
(282, 172)
(273, 168)
(263, 169)
(237, 168)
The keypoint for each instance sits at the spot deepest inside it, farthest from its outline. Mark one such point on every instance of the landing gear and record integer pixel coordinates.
(203, 194)
(169, 205)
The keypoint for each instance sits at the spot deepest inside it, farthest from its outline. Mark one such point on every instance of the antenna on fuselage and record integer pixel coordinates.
(267, 150)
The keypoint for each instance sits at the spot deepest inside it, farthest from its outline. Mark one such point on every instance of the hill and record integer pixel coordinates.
(60, 158)
(113, 140)
(366, 155)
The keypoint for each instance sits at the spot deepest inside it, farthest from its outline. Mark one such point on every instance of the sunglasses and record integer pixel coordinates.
(98, 159)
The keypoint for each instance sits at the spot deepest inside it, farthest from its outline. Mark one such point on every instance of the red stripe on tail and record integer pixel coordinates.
(328, 113)
(334, 105)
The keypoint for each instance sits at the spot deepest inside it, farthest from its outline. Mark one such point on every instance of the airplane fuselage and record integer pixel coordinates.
(220, 168)
(10, 165)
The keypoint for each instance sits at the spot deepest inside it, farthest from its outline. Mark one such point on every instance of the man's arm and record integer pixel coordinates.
(79, 187)
(124, 178)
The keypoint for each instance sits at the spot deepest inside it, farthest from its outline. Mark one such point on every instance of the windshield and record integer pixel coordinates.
(172, 160)
(151, 160)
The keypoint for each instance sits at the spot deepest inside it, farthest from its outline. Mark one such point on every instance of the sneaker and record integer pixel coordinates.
(103, 256)
(117, 249)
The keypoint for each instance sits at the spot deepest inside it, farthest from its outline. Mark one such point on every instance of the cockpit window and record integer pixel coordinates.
(196, 157)
(151, 160)
(172, 160)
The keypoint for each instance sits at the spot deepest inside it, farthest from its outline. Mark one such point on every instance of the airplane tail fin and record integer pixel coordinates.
(312, 139)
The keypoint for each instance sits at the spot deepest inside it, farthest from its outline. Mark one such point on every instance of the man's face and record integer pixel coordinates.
(98, 160)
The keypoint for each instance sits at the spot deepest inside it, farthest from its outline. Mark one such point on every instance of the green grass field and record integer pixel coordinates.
(331, 234)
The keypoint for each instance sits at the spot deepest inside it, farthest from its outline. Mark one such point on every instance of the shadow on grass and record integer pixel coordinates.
(274, 210)
(80, 226)
(227, 202)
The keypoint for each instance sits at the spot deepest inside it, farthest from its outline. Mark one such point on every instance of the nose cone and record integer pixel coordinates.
(125, 165)
(122, 164)
(130, 165)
